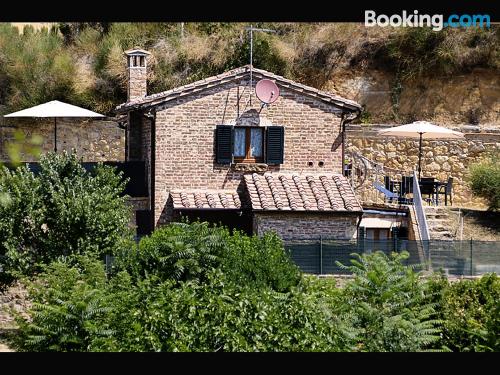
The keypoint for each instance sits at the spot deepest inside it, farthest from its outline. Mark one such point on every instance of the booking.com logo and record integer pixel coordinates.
(435, 21)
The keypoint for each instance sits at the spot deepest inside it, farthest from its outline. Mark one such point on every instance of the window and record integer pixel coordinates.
(248, 144)
(243, 144)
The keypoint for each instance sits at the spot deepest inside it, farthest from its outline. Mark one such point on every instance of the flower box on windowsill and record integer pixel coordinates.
(250, 167)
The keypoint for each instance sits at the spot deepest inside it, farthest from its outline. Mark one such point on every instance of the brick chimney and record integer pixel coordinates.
(136, 67)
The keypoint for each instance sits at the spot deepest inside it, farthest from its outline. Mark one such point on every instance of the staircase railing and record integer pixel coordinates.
(423, 227)
(419, 210)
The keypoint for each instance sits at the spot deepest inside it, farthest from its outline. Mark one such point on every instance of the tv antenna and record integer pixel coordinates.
(252, 29)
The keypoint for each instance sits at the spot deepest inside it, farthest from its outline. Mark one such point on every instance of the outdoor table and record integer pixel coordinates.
(430, 186)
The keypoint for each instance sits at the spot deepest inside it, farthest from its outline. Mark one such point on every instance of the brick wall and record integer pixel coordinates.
(93, 140)
(306, 226)
(137, 85)
(185, 132)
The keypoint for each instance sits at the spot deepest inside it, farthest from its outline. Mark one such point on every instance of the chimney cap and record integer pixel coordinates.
(137, 52)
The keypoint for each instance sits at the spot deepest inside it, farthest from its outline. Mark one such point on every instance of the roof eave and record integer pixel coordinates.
(157, 99)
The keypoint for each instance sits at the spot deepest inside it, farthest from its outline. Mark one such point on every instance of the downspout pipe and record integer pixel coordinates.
(346, 118)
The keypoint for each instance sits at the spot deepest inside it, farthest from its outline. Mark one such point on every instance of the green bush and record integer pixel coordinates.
(260, 262)
(67, 303)
(485, 181)
(216, 315)
(183, 252)
(62, 210)
(388, 305)
(74, 308)
(177, 300)
(470, 311)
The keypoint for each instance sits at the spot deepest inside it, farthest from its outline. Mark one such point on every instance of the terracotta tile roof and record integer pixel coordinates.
(321, 192)
(205, 199)
(238, 73)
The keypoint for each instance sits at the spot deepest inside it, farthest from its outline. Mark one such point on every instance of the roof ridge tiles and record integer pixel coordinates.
(326, 96)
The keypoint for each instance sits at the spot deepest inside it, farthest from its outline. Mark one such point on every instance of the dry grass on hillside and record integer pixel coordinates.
(480, 225)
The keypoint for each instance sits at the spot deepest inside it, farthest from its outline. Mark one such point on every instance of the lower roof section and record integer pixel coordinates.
(328, 192)
(205, 199)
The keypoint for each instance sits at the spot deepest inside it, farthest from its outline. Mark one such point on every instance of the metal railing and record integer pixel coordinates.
(419, 210)
(456, 258)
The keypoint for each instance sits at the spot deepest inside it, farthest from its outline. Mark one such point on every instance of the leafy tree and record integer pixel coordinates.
(470, 312)
(67, 303)
(183, 252)
(60, 211)
(389, 305)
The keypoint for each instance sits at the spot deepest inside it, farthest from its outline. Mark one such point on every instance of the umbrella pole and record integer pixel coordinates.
(55, 134)
(419, 155)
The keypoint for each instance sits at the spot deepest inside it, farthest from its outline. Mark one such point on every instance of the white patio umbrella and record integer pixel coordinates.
(55, 109)
(421, 130)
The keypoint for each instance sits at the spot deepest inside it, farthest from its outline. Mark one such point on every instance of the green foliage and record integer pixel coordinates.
(216, 316)
(484, 181)
(389, 305)
(83, 62)
(166, 297)
(36, 67)
(470, 311)
(67, 305)
(260, 262)
(60, 211)
(183, 252)
(177, 252)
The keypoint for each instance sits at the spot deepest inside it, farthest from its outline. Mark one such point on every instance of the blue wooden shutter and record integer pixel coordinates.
(275, 144)
(224, 144)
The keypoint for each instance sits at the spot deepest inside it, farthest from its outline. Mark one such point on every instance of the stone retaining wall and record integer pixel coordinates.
(93, 140)
(441, 158)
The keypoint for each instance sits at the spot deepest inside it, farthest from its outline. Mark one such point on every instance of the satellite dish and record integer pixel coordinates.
(267, 91)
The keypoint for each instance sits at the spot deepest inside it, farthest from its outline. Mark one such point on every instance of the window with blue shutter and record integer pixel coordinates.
(224, 144)
(275, 144)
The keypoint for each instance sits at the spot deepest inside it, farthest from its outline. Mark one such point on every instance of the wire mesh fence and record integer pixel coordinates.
(456, 258)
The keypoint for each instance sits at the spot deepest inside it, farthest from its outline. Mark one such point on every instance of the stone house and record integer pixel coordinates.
(213, 151)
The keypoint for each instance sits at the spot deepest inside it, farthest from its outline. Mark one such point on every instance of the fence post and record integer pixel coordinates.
(321, 255)
(361, 239)
(471, 256)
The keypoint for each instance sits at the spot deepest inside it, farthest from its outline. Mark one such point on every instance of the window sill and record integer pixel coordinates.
(250, 167)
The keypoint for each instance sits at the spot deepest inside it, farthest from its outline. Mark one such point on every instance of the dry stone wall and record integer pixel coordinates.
(440, 158)
(93, 140)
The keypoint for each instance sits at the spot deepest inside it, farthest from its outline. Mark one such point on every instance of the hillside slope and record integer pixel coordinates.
(398, 74)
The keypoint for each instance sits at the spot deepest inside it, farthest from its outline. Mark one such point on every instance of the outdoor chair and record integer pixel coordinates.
(389, 195)
(406, 185)
(427, 188)
(446, 190)
(391, 185)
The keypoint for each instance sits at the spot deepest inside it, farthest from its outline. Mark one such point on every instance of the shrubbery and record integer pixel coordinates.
(84, 63)
(184, 252)
(198, 288)
(60, 211)
(470, 312)
(485, 181)
(201, 308)
(389, 305)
